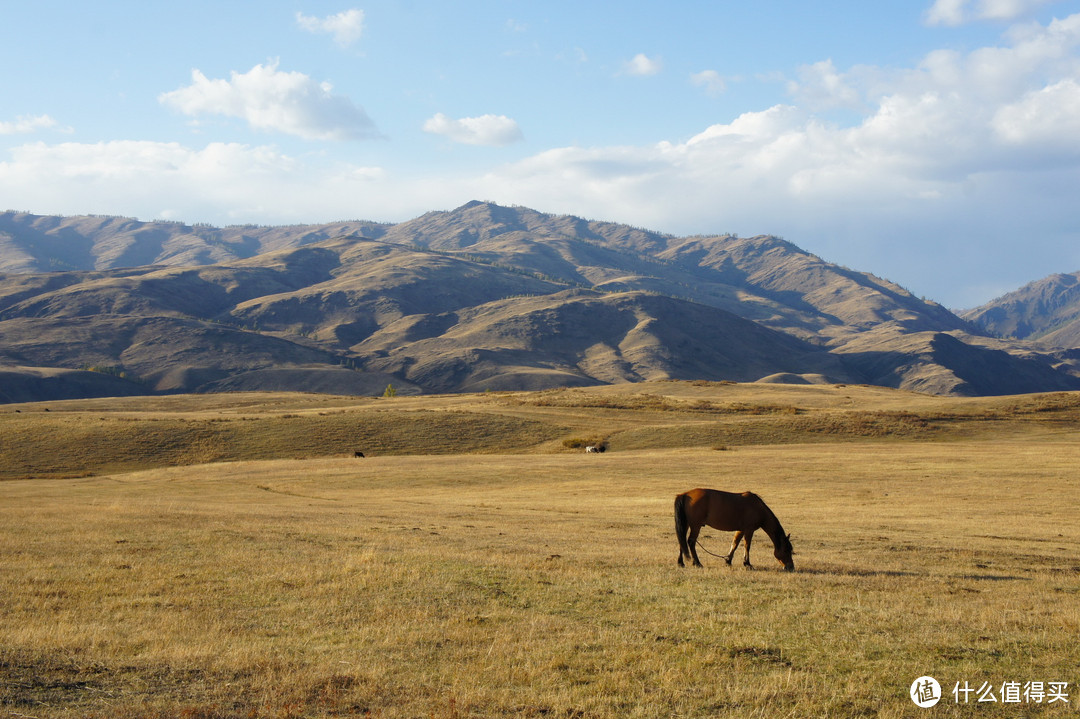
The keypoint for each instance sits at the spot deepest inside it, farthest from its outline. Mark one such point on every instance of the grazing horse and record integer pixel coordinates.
(740, 513)
(358, 454)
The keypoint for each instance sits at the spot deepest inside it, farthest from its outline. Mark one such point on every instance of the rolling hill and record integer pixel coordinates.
(482, 297)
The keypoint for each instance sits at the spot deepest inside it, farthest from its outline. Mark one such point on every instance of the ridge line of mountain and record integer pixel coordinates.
(480, 297)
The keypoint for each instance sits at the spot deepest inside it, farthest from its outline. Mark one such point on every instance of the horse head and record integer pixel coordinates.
(783, 553)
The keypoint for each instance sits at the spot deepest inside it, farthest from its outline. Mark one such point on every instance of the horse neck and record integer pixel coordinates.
(772, 527)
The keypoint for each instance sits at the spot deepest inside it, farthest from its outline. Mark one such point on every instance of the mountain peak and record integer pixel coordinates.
(1046, 309)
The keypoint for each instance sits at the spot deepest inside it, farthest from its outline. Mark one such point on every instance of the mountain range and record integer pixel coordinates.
(483, 297)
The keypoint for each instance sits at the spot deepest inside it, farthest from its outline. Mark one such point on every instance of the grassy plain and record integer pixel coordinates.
(933, 536)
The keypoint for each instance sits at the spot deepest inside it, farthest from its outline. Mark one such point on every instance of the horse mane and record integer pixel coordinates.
(784, 542)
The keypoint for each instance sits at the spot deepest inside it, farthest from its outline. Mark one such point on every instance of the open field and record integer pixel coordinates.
(539, 582)
(79, 438)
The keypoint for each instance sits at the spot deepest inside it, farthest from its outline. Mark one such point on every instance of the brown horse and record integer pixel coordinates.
(740, 513)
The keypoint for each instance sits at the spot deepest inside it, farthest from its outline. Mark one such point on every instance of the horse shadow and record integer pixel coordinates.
(860, 572)
(855, 572)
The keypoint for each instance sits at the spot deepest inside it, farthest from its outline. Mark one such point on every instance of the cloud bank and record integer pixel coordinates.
(224, 183)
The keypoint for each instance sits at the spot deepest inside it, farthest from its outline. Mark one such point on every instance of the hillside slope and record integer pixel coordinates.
(1047, 311)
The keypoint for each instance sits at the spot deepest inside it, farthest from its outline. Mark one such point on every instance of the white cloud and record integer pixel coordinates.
(959, 12)
(1007, 9)
(288, 102)
(26, 124)
(946, 12)
(492, 130)
(1048, 118)
(820, 86)
(346, 27)
(642, 66)
(221, 182)
(710, 80)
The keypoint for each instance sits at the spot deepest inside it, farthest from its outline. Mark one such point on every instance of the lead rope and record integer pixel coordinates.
(706, 550)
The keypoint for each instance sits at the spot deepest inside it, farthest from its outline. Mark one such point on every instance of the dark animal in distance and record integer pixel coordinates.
(359, 454)
(729, 512)
(594, 448)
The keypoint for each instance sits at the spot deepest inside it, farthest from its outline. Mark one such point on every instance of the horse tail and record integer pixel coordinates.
(681, 525)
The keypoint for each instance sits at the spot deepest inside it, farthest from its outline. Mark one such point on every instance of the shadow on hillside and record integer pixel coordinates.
(961, 368)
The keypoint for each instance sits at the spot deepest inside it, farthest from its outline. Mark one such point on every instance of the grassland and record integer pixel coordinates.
(79, 438)
(932, 535)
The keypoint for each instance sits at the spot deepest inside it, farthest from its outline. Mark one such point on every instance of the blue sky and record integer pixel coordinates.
(934, 143)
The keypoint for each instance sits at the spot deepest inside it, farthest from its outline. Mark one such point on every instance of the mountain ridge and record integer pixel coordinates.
(1046, 311)
(480, 297)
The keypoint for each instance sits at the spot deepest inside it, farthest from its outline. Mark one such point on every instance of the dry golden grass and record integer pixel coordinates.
(92, 437)
(85, 438)
(544, 584)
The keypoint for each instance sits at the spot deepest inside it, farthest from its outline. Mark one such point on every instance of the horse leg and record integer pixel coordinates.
(692, 542)
(734, 546)
(746, 559)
